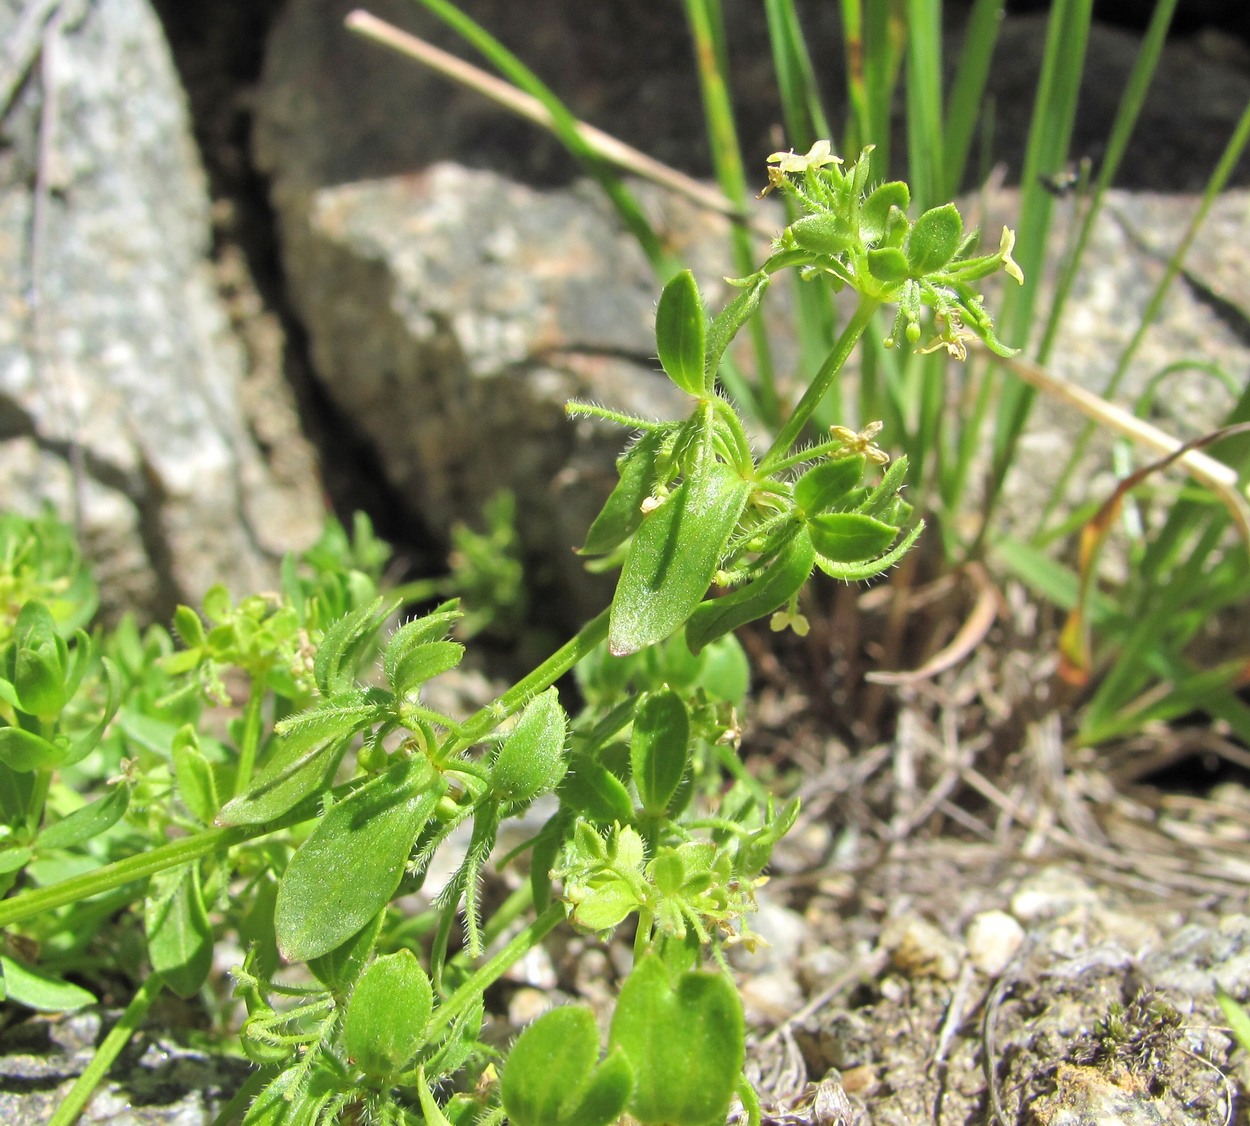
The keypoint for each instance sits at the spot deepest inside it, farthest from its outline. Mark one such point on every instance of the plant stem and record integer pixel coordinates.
(133, 868)
(485, 720)
(119, 1036)
(249, 740)
(819, 387)
(490, 972)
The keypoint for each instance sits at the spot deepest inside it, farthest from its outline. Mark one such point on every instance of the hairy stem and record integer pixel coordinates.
(819, 387)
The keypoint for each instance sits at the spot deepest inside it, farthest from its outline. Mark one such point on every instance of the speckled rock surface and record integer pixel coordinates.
(118, 380)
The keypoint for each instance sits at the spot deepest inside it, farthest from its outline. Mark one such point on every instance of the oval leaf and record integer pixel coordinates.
(531, 761)
(387, 1015)
(685, 1045)
(681, 333)
(594, 792)
(783, 579)
(659, 748)
(674, 556)
(848, 537)
(934, 238)
(351, 864)
(823, 233)
(888, 265)
(550, 1078)
(180, 939)
(824, 485)
(874, 216)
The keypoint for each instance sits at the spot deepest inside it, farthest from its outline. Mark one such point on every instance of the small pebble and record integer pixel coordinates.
(526, 1005)
(993, 938)
(918, 949)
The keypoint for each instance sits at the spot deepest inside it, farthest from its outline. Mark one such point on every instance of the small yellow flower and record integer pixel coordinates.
(819, 155)
(862, 442)
(792, 619)
(791, 163)
(951, 338)
(1005, 246)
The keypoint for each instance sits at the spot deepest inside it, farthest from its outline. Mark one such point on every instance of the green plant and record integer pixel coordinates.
(1145, 666)
(279, 777)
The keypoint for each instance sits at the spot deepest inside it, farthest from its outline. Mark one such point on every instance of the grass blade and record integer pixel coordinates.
(564, 124)
(707, 29)
(963, 107)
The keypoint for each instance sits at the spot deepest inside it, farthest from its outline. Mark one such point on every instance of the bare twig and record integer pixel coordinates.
(25, 42)
(1215, 475)
(526, 106)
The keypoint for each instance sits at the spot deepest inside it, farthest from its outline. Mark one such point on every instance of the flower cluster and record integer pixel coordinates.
(862, 238)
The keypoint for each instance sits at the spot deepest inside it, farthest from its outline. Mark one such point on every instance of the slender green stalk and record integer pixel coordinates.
(823, 381)
(565, 126)
(494, 968)
(925, 147)
(1050, 133)
(484, 721)
(707, 29)
(106, 1054)
(966, 102)
(132, 868)
(801, 107)
(249, 741)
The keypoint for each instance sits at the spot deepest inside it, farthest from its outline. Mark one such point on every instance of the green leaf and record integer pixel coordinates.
(685, 1045)
(674, 555)
(532, 760)
(180, 940)
(823, 233)
(680, 333)
(350, 866)
(888, 265)
(659, 748)
(848, 537)
(40, 663)
(934, 238)
(875, 215)
(89, 822)
(824, 485)
(594, 792)
(422, 663)
(858, 572)
(550, 1078)
(189, 627)
(24, 750)
(345, 645)
(387, 1015)
(419, 650)
(729, 320)
(606, 906)
(339, 968)
(783, 579)
(194, 777)
(313, 745)
(294, 1097)
(622, 511)
(35, 990)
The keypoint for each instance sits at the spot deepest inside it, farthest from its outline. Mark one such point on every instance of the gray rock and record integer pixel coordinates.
(452, 311)
(120, 388)
(451, 314)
